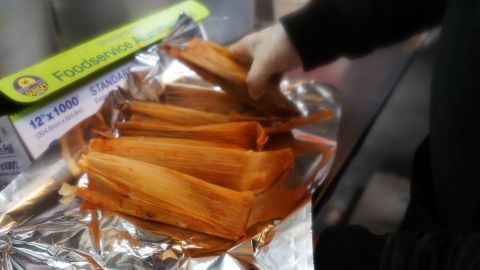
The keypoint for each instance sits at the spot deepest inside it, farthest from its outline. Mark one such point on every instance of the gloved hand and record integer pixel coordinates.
(270, 53)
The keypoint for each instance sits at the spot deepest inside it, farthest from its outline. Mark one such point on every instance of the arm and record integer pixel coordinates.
(352, 247)
(326, 29)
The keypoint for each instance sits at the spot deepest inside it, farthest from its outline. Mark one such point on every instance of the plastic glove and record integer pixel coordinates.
(270, 53)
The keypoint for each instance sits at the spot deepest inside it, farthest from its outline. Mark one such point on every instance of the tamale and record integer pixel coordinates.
(140, 117)
(177, 115)
(248, 135)
(99, 194)
(143, 208)
(202, 99)
(236, 117)
(165, 195)
(228, 167)
(183, 141)
(218, 65)
(145, 211)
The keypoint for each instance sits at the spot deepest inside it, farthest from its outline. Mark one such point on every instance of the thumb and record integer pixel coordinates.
(243, 50)
(257, 78)
(242, 46)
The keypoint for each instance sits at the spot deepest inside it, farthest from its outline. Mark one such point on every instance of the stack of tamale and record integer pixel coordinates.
(186, 171)
(195, 166)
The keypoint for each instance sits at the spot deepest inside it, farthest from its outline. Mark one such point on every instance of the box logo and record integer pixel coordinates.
(30, 85)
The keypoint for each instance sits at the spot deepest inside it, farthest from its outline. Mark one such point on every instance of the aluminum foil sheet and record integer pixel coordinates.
(37, 232)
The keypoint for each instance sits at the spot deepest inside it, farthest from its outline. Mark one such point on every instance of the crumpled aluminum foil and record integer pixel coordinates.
(36, 232)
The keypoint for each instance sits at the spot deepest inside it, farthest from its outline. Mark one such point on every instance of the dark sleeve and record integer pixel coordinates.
(326, 29)
(352, 247)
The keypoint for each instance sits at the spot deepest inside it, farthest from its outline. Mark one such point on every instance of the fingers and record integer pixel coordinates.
(258, 77)
(244, 50)
(250, 53)
(243, 46)
(268, 53)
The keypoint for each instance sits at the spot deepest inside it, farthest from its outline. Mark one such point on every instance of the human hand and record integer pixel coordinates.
(270, 53)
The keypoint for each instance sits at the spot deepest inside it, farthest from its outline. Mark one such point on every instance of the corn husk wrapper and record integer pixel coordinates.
(236, 169)
(174, 115)
(217, 65)
(147, 119)
(180, 199)
(202, 99)
(247, 135)
(177, 115)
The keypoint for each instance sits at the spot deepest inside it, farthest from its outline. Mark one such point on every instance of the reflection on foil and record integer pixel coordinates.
(36, 232)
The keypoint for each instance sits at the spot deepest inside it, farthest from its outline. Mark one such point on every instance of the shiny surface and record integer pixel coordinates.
(26, 34)
(32, 30)
(80, 20)
(88, 237)
(67, 241)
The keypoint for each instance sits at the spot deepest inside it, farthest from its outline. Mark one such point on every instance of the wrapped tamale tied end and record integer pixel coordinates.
(218, 65)
(168, 196)
(248, 135)
(236, 169)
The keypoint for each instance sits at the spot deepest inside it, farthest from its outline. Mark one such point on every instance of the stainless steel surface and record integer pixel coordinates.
(381, 169)
(26, 34)
(365, 84)
(79, 20)
(32, 30)
(230, 19)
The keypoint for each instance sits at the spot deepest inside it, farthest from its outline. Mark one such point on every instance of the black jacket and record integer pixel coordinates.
(442, 225)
